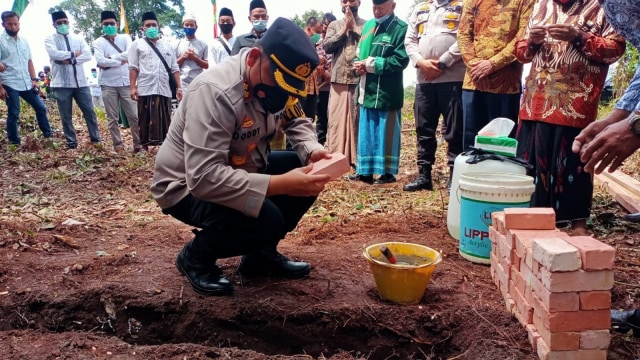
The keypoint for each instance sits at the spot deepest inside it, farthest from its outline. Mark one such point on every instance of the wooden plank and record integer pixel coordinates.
(624, 180)
(629, 200)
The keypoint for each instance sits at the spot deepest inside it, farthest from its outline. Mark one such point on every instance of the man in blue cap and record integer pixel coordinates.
(216, 172)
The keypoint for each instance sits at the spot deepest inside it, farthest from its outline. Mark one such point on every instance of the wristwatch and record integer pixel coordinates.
(634, 124)
(441, 65)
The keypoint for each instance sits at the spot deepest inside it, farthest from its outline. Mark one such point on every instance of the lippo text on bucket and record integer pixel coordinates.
(474, 233)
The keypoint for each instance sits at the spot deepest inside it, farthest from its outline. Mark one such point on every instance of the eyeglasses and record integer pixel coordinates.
(61, 22)
(109, 23)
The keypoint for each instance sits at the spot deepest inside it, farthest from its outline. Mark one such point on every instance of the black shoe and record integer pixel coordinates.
(385, 179)
(272, 263)
(422, 182)
(633, 217)
(206, 279)
(625, 320)
(364, 178)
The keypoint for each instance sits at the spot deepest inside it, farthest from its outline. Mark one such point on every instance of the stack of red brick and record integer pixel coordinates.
(557, 286)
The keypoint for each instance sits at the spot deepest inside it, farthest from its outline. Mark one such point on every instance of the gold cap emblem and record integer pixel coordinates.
(303, 69)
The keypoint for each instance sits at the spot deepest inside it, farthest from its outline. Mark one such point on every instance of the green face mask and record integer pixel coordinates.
(109, 30)
(315, 38)
(151, 32)
(63, 29)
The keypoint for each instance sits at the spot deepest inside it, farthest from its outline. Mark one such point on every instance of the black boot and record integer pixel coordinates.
(625, 320)
(271, 262)
(422, 182)
(205, 276)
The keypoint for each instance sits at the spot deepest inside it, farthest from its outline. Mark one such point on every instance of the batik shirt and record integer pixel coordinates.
(489, 30)
(624, 16)
(566, 78)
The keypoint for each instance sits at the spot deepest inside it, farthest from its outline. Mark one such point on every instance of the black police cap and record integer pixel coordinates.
(292, 54)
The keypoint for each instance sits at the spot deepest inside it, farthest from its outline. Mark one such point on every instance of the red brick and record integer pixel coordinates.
(569, 301)
(334, 167)
(529, 218)
(494, 236)
(545, 354)
(516, 261)
(535, 267)
(595, 300)
(494, 264)
(497, 220)
(556, 254)
(505, 247)
(595, 339)
(595, 254)
(518, 280)
(510, 304)
(533, 336)
(556, 340)
(580, 320)
(523, 240)
(523, 311)
(568, 321)
(577, 280)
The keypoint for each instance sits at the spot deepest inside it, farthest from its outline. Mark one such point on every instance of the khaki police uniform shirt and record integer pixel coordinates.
(431, 34)
(218, 142)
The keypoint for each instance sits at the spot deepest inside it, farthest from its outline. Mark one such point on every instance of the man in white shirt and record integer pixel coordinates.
(17, 78)
(67, 52)
(191, 53)
(94, 86)
(111, 53)
(222, 45)
(150, 82)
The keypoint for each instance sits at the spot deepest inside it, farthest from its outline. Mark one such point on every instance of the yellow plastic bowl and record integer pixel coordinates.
(406, 281)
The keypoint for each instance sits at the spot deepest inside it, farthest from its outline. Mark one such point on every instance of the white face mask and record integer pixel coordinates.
(259, 25)
(382, 19)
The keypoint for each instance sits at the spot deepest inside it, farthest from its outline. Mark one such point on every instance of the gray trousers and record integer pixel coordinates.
(121, 95)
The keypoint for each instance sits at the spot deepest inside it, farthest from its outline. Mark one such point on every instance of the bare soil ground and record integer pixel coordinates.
(104, 286)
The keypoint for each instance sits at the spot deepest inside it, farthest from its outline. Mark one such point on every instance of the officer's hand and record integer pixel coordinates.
(429, 68)
(317, 155)
(297, 182)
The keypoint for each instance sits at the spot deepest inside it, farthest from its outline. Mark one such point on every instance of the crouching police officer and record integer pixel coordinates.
(215, 171)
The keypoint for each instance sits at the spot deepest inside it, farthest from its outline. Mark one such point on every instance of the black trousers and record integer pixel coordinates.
(310, 106)
(323, 116)
(431, 101)
(227, 232)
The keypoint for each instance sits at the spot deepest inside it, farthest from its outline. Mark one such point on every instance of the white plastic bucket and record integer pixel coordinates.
(480, 195)
(462, 167)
